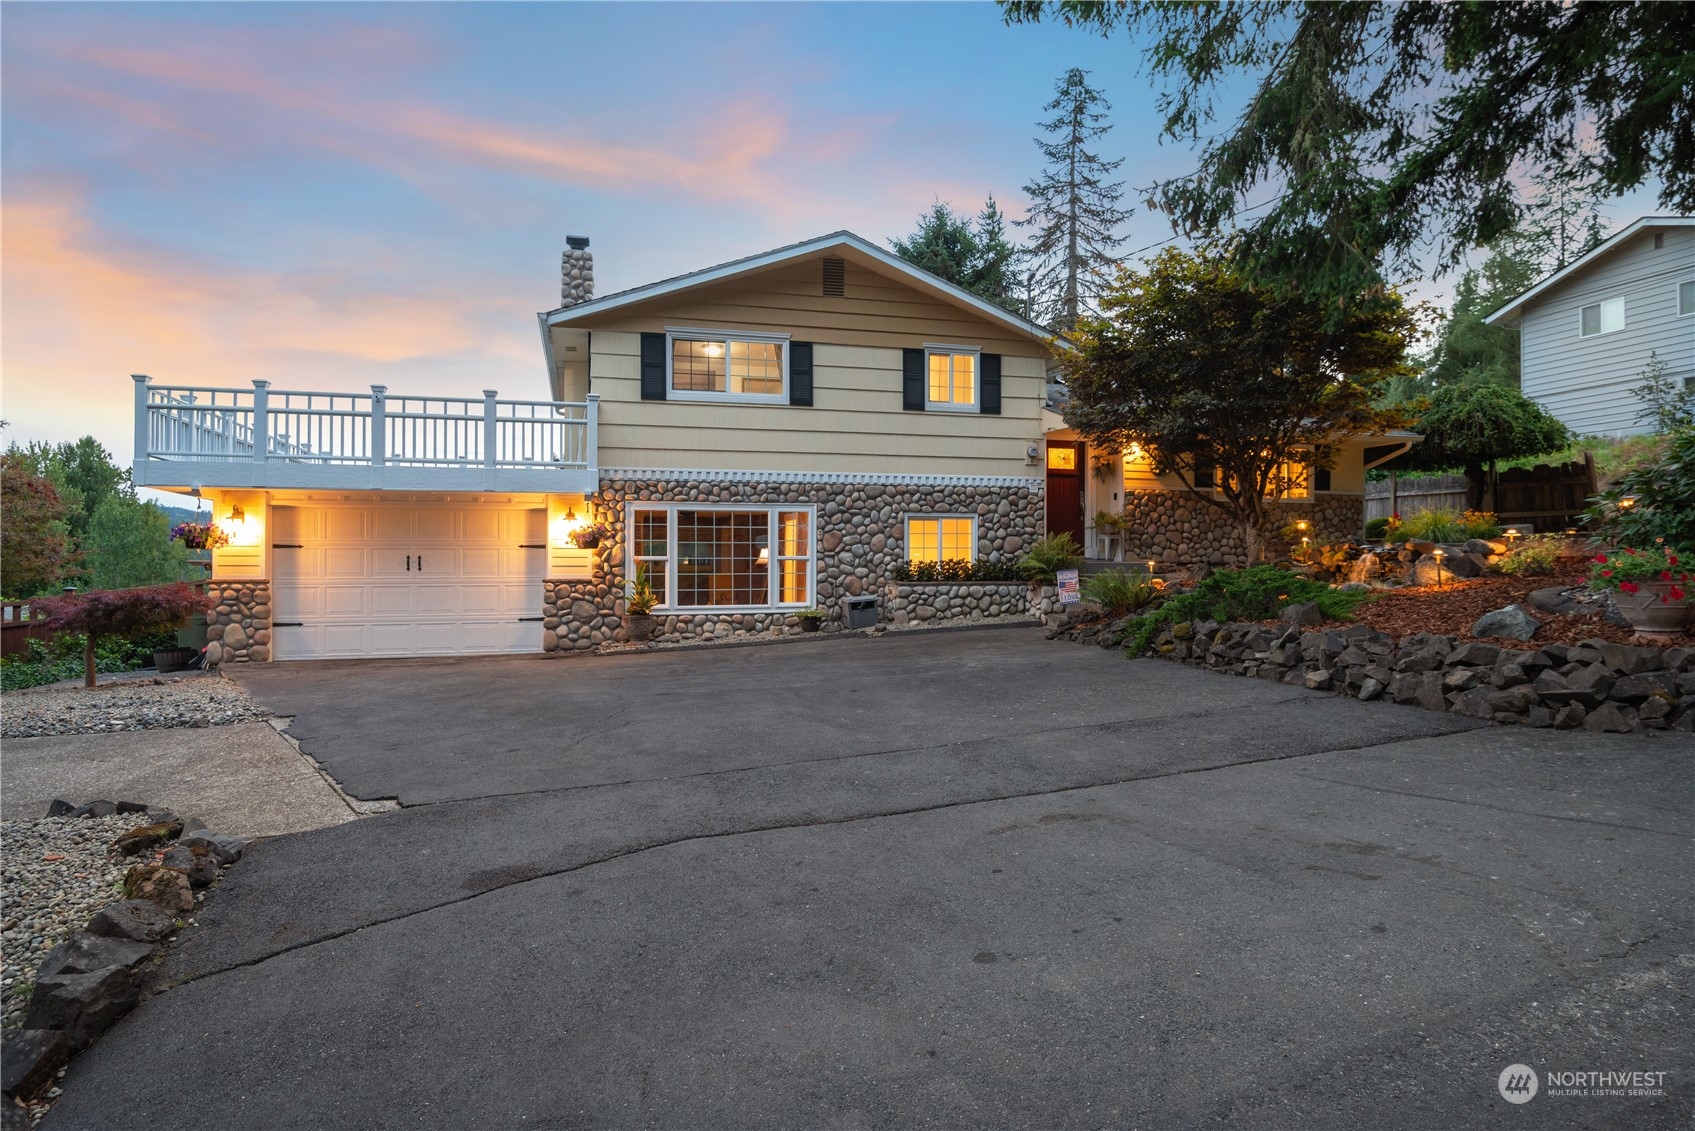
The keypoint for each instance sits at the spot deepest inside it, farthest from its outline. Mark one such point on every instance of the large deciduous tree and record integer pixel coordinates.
(1073, 205)
(1206, 372)
(1472, 426)
(1387, 127)
(35, 548)
(129, 544)
(978, 258)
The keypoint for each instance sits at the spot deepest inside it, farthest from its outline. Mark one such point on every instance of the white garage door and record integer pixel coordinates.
(391, 580)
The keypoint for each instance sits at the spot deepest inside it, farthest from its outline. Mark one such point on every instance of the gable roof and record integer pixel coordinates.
(1509, 314)
(855, 248)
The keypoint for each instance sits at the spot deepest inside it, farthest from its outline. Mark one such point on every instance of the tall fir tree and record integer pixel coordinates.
(1073, 206)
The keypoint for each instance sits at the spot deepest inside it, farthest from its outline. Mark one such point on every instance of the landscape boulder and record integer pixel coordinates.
(1512, 623)
(167, 887)
(137, 919)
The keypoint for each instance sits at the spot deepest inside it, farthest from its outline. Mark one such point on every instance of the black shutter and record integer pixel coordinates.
(1205, 478)
(800, 373)
(912, 380)
(1321, 479)
(653, 367)
(992, 384)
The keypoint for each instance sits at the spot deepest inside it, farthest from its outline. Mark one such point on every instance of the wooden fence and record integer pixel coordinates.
(16, 628)
(1546, 497)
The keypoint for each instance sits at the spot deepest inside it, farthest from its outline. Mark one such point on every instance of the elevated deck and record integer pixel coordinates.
(272, 438)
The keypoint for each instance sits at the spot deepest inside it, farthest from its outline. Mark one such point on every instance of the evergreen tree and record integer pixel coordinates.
(979, 259)
(1469, 351)
(1073, 206)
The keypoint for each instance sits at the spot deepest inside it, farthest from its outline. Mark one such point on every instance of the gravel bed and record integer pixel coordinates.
(46, 899)
(136, 704)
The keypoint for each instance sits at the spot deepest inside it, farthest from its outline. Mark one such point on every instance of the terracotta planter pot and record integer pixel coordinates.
(1652, 608)
(638, 627)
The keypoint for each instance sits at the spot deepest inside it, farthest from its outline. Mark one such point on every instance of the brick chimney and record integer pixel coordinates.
(576, 272)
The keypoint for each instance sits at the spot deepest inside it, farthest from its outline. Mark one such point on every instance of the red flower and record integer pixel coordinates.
(1606, 573)
(1629, 551)
(1665, 575)
(1676, 593)
(1602, 558)
(1627, 586)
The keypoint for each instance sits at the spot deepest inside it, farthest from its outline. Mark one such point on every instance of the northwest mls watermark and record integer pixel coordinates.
(1519, 1084)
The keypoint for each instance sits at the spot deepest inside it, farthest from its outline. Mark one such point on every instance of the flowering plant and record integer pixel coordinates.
(588, 537)
(1629, 570)
(200, 535)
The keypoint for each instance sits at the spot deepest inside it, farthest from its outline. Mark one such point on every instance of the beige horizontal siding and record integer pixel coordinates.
(855, 424)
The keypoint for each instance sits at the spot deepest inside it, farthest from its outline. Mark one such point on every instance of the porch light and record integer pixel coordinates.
(242, 530)
(1133, 454)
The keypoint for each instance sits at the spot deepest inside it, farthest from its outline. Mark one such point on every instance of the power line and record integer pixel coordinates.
(1233, 215)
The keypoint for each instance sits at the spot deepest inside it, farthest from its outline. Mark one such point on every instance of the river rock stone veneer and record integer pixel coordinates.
(1596, 685)
(908, 602)
(861, 534)
(238, 622)
(1174, 528)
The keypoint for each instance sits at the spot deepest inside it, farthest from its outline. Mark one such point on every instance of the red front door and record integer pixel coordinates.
(1065, 489)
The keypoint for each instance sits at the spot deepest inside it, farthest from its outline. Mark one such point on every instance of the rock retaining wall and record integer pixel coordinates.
(861, 534)
(905, 602)
(1596, 684)
(1174, 528)
(238, 622)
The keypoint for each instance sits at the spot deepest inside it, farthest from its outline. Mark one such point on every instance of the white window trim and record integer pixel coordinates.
(976, 353)
(699, 333)
(668, 602)
(1682, 313)
(1603, 331)
(906, 530)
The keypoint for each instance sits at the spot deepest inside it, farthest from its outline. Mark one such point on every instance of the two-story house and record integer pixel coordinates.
(761, 437)
(1588, 332)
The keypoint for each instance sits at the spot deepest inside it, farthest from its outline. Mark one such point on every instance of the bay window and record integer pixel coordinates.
(724, 557)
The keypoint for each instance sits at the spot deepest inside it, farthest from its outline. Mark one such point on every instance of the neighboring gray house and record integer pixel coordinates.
(1586, 332)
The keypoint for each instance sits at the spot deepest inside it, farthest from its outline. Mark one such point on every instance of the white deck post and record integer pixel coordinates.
(379, 425)
(141, 423)
(489, 427)
(261, 421)
(592, 423)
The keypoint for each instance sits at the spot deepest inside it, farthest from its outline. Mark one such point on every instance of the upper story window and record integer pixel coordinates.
(1686, 298)
(1602, 317)
(953, 377)
(717, 365)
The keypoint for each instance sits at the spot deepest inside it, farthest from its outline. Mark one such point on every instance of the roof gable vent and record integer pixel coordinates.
(835, 277)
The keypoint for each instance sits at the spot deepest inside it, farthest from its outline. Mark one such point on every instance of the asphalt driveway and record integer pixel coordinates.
(943, 879)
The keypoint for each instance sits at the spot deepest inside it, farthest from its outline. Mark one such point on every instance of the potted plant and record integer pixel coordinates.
(638, 607)
(200, 535)
(1650, 587)
(588, 537)
(811, 620)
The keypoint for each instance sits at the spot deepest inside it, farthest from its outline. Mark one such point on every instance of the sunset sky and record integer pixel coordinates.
(336, 195)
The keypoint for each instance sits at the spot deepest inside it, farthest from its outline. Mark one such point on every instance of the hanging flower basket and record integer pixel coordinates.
(200, 535)
(588, 537)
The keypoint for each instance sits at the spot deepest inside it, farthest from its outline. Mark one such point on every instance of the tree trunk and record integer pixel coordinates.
(1251, 541)
(1474, 485)
(88, 660)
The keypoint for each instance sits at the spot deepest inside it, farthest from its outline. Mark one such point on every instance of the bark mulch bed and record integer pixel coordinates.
(1453, 608)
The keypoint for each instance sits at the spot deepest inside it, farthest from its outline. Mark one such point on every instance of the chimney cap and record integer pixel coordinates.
(577, 243)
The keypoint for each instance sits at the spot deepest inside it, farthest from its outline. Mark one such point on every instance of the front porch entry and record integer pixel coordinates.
(1065, 461)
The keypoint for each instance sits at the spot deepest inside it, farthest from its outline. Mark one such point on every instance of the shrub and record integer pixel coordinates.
(1532, 557)
(1050, 555)
(1662, 498)
(1258, 593)
(1377, 529)
(1118, 591)
(62, 658)
(1444, 525)
(954, 570)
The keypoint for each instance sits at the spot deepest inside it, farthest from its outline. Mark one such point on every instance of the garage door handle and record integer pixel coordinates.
(408, 563)
(522, 620)
(420, 563)
(532, 545)
(287, 546)
(288, 624)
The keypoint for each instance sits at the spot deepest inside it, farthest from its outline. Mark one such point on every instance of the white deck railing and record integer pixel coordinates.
(265, 425)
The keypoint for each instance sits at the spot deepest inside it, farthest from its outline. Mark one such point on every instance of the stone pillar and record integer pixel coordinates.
(238, 622)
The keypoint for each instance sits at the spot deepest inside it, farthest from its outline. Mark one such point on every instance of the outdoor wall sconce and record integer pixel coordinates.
(242, 530)
(564, 526)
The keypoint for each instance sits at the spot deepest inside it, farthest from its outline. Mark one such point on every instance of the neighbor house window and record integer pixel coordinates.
(953, 377)
(724, 557)
(1686, 298)
(1602, 317)
(941, 538)
(708, 365)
